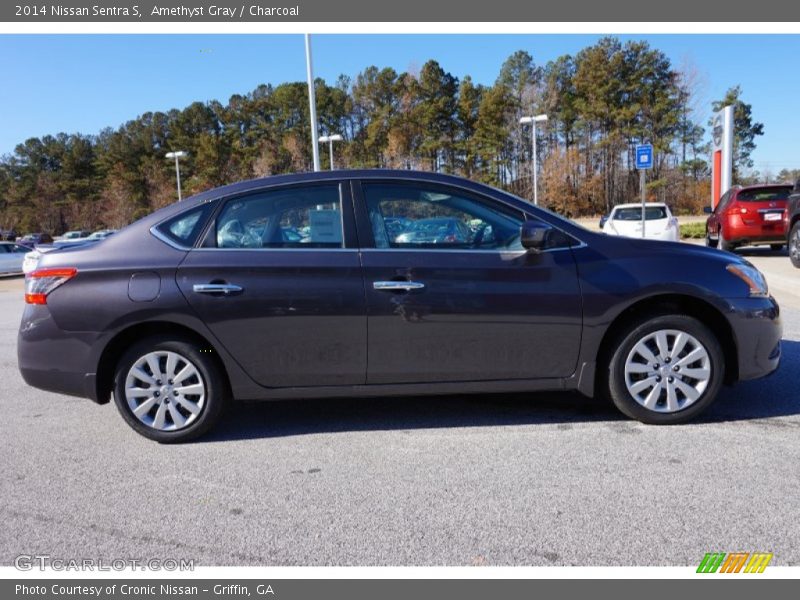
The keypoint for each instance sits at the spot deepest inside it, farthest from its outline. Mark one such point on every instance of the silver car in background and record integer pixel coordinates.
(11, 258)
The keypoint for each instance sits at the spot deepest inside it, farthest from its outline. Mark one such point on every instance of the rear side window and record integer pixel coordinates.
(651, 213)
(765, 195)
(185, 228)
(307, 216)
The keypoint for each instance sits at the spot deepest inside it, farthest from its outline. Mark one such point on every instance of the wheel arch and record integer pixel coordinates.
(681, 304)
(117, 346)
(795, 219)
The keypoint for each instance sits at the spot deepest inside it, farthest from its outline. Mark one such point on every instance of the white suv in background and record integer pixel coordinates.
(626, 220)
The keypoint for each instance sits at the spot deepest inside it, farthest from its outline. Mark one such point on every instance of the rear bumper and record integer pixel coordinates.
(758, 329)
(50, 360)
(740, 232)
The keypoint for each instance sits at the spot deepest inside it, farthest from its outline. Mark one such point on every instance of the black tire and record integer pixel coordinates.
(776, 247)
(794, 245)
(209, 374)
(726, 245)
(613, 385)
(711, 243)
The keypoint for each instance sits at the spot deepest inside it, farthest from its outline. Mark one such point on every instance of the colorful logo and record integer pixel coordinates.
(734, 562)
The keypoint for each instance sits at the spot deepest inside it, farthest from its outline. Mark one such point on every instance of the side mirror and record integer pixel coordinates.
(603, 220)
(534, 235)
(708, 210)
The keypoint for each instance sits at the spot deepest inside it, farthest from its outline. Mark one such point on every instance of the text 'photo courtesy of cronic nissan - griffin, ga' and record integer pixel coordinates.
(374, 283)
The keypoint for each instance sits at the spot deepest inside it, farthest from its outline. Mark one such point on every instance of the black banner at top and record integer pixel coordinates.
(449, 11)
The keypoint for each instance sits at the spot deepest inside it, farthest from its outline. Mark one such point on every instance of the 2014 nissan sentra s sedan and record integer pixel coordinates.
(210, 300)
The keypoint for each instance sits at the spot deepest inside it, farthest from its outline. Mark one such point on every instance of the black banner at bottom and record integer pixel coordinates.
(383, 589)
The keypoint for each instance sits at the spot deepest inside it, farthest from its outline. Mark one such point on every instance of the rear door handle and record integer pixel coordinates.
(397, 286)
(216, 288)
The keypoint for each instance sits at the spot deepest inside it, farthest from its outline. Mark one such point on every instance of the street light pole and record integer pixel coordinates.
(177, 156)
(312, 103)
(533, 120)
(330, 139)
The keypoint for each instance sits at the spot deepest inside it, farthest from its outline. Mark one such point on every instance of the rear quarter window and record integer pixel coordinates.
(185, 228)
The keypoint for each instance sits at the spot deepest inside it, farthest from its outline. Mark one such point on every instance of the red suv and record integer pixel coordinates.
(748, 216)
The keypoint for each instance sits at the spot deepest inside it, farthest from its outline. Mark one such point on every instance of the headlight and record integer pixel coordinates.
(752, 277)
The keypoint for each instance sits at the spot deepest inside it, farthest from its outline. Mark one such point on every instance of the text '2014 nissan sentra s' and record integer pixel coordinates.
(369, 283)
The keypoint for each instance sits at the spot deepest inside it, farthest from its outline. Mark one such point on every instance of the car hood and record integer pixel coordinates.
(682, 249)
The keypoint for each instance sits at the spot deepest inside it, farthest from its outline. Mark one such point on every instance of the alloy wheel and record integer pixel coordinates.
(165, 390)
(667, 370)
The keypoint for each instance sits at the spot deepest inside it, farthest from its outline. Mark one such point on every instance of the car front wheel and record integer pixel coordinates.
(665, 370)
(168, 391)
(794, 245)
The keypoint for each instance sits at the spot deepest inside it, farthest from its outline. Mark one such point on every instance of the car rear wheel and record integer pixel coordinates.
(665, 370)
(711, 242)
(794, 245)
(726, 245)
(168, 391)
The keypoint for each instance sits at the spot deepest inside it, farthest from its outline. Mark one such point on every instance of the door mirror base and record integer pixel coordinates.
(534, 235)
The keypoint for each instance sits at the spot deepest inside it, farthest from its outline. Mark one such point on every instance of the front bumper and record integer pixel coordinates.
(757, 329)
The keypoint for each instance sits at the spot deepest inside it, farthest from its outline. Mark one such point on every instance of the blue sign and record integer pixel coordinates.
(644, 156)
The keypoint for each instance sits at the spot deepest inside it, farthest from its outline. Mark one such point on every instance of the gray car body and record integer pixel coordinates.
(128, 286)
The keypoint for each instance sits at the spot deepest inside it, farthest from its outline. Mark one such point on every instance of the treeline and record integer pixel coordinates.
(600, 103)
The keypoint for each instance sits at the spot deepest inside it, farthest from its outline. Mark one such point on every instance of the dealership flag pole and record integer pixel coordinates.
(312, 103)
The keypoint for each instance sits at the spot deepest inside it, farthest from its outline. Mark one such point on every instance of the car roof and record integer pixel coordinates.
(639, 205)
(248, 185)
(765, 186)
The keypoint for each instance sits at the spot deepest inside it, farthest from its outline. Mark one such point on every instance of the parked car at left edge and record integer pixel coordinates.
(32, 239)
(11, 258)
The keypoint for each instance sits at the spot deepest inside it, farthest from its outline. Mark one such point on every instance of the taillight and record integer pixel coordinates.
(41, 282)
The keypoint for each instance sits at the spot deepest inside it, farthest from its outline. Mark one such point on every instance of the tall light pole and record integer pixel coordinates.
(312, 103)
(177, 156)
(533, 120)
(330, 139)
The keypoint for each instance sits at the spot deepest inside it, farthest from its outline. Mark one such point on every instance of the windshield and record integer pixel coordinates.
(549, 211)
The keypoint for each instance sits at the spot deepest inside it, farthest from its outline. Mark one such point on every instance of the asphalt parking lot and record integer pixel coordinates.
(542, 479)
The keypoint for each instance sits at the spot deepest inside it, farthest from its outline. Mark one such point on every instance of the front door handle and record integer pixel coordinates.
(216, 288)
(397, 286)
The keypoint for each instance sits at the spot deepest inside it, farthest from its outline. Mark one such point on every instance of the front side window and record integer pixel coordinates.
(295, 217)
(412, 216)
